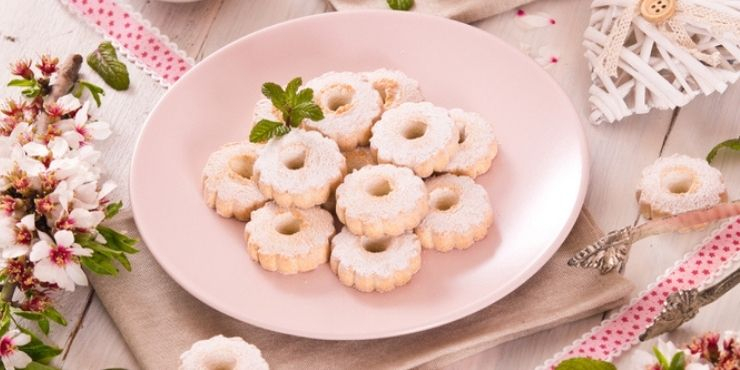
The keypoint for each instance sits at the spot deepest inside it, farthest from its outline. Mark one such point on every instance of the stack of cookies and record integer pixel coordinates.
(397, 173)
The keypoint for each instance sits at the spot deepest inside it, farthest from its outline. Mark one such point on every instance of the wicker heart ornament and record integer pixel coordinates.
(659, 53)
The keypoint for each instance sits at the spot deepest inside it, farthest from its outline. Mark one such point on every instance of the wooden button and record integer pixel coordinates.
(657, 11)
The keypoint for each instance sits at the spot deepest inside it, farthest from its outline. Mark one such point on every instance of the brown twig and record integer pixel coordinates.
(68, 74)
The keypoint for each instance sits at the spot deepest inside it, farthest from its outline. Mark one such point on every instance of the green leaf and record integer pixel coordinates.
(36, 348)
(33, 316)
(55, 316)
(118, 241)
(95, 90)
(100, 264)
(43, 325)
(5, 323)
(678, 362)
(304, 96)
(265, 130)
(39, 366)
(291, 91)
(305, 110)
(661, 358)
(104, 61)
(733, 144)
(276, 95)
(400, 4)
(33, 89)
(582, 363)
(41, 352)
(22, 83)
(112, 209)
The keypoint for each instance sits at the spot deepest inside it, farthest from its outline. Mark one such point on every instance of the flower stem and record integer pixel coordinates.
(6, 295)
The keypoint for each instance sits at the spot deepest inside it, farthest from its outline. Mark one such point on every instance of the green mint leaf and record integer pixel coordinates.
(733, 144)
(678, 362)
(304, 96)
(44, 325)
(661, 358)
(400, 4)
(582, 363)
(39, 366)
(291, 91)
(303, 111)
(265, 130)
(112, 209)
(95, 91)
(104, 61)
(118, 241)
(276, 95)
(55, 316)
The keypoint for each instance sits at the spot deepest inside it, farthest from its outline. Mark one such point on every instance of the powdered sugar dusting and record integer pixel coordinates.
(239, 354)
(478, 146)
(679, 183)
(407, 196)
(350, 107)
(315, 228)
(348, 250)
(394, 87)
(420, 136)
(300, 162)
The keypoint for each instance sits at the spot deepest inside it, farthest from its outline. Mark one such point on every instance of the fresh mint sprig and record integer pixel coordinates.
(104, 61)
(583, 363)
(400, 4)
(294, 105)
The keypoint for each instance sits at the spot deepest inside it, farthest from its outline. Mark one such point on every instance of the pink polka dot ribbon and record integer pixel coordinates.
(134, 37)
(698, 268)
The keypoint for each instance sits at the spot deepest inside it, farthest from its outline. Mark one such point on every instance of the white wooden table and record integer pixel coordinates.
(619, 152)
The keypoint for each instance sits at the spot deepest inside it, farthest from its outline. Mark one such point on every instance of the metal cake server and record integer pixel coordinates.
(610, 252)
(683, 305)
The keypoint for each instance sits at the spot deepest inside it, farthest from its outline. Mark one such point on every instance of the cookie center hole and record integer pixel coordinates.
(242, 165)
(680, 182)
(415, 130)
(461, 138)
(294, 158)
(287, 224)
(217, 362)
(444, 199)
(376, 245)
(379, 187)
(339, 98)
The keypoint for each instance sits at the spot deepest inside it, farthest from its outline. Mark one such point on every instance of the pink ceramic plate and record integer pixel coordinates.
(536, 185)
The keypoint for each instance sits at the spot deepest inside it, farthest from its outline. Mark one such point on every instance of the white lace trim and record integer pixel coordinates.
(125, 52)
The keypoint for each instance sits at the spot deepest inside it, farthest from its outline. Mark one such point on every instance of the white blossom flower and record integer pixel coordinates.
(32, 167)
(12, 357)
(80, 130)
(69, 103)
(80, 220)
(639, 359)
(57, 261)
(16, 237)
(87, 196)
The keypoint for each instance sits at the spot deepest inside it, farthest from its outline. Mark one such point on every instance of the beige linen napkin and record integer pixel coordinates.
(461, 10)
(159, 320)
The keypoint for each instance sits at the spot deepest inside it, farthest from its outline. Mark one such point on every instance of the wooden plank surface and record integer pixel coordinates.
(618, 152)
